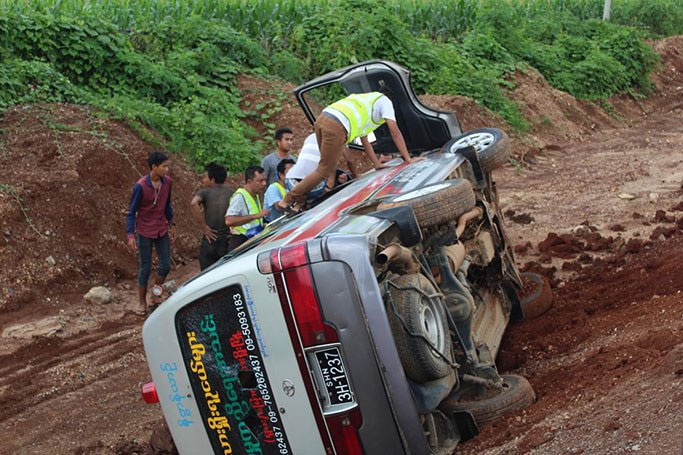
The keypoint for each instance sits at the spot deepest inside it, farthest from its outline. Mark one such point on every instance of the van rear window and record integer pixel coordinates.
(229, 381)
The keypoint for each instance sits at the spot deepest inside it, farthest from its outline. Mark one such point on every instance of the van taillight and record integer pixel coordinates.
(291, 269)
(309, 320)
(344, 432)
(149, 393)
(292, 261)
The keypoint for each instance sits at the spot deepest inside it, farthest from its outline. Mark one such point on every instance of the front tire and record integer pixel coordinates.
(436, 203)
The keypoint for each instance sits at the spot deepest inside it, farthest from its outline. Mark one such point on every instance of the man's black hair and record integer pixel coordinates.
(216, 172)
(281, 132)
(251, 172)
(155, 158)
(282, 164)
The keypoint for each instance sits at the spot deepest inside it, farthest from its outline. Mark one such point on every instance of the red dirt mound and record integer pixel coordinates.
(609, 325)
(67, 176)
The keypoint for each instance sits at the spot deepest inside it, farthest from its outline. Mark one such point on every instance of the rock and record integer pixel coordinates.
(581, 230)
(41, 328)
(161, 440)
(590, 226)
(611, 425)
(50, 261)
(585, 258)
(654, 197)
(626, 196)
(571, 266)
(662, 217)
(98, 295)
(522, 248)
(617, 245)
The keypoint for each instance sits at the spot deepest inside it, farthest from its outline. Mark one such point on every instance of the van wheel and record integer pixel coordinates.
(418, 322)
(491, 144)
(535, 298)
(436, 203)
(516, 394)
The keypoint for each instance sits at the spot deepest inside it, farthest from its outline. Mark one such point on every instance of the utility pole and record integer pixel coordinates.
(606, 11)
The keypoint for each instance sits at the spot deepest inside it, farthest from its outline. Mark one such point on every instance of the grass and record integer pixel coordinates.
(171, 65)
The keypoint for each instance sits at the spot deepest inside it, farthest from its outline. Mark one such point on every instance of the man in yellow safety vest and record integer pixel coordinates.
(277, 190)
(245, 213)
(353, 117)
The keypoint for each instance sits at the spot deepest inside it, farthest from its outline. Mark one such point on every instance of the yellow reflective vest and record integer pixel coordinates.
(280, 188)
(251, 228)
(357, 108)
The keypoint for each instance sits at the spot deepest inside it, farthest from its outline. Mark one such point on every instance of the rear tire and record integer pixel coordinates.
(517, 394)
(491, 144)
(436, 203)
(422, 316)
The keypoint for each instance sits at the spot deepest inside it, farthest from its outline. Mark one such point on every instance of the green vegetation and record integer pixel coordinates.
(14, 194)
(171, 65)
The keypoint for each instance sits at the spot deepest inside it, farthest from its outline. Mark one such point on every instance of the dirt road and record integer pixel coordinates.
(598, 210)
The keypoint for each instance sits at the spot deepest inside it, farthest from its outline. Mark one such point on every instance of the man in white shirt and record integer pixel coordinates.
(245, 214)
(309, 157)
(353, 117)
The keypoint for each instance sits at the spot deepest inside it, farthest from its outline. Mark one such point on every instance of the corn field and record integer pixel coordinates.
(437, 19)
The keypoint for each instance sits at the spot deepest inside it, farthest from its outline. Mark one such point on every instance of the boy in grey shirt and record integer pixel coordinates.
(283, 144)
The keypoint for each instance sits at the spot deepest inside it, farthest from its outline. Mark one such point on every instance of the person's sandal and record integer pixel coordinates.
(289, 209)
(142, 312)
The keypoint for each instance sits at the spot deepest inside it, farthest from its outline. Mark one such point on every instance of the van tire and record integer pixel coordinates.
(436, 203)
(517, 394)
(536, 297)
(424, 316)
(491, 144)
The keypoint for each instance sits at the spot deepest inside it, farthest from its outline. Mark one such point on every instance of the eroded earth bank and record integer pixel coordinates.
(594, 200)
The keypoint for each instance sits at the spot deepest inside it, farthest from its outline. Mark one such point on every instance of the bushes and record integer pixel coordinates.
(178, 80)
(590, 59)
(469, 68)
(34, 81)
(172, 65)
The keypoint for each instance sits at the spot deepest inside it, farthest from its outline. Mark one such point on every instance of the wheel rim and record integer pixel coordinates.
(420, 192)
(479, 141)
(432, 325)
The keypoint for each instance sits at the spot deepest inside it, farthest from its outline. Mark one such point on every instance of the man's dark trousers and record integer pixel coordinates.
(211, 252)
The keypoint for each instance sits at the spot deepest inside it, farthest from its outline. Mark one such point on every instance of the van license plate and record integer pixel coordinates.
(334, 377)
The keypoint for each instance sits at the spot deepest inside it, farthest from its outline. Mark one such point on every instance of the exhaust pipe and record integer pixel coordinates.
(456, 253)
(399, 255)
(476, 212)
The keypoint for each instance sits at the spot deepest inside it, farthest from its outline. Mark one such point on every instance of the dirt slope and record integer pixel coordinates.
(606, 361)
(66, 181)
